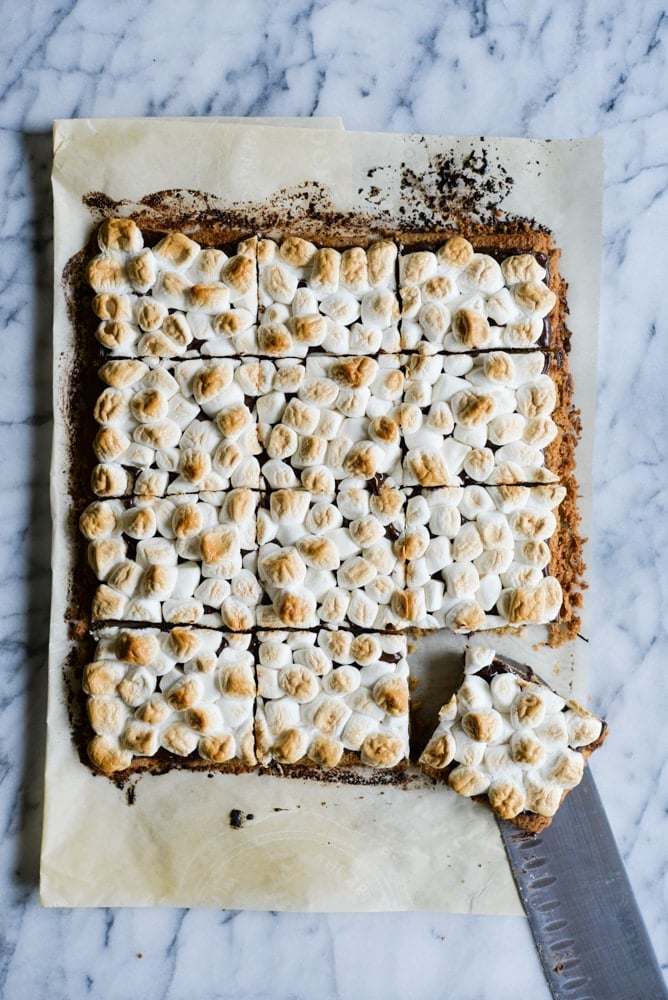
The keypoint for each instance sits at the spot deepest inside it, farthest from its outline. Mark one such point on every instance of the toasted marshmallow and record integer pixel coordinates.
(537, 398)
(121, 235)
(289, 506)
(535, 298)
(297, 252)
(471, 330)
(482, 273)
(176, 250)
(381, 256)
(295, 607)
(318, 552)
(521, 267)
(281, 567)
(107, 273)
(354, 272)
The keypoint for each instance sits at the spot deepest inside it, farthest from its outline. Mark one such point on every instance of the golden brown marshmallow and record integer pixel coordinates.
(457, 252)
(296, 251)
(354, 269)
(471, 329)
(107, 756)
(177, 249)
(239, 274)
(382, 750)
(381, 256)
(120, 234)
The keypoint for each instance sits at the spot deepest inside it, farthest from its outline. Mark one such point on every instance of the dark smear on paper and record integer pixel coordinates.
(453, 193)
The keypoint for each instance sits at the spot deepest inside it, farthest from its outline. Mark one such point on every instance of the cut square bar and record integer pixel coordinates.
(183, 559)
(326, 300)
(158, 699)
(330, 698)
(176, 427)
(175, 298)
(459, 298)
(331, 558)
(482, 418)
(478, 557)
(324, 419)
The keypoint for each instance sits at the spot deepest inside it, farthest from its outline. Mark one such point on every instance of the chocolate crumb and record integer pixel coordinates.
(238, 819)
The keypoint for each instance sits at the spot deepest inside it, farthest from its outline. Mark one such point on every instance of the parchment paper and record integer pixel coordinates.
(309, 845)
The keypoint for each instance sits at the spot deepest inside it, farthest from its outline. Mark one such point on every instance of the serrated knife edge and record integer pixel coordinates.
(589, 933)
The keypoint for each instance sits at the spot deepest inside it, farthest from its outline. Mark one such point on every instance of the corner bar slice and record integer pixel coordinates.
(173, 299)
(511, 740)
(183, 559)
(332, 698)
(156, 699)
(457, 298)
(326, 300)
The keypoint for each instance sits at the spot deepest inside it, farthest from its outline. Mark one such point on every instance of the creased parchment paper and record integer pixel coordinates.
(309, 845)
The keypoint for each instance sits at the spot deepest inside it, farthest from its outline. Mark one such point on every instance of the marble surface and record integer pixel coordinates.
(469, 67)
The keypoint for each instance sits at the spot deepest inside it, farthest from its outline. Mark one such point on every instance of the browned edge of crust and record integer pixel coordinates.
(567, 544)
(164, 762)
(350, 770)
(520, 238)
(567, 565)
(343, 238)
(531, 239)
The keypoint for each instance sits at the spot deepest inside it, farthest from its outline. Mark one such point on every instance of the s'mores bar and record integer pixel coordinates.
(510, 739)
(455, 298)
(324, 419)
(485, 418)
(176, 427)
(174, 298)
(331, 559)
(184, 559)
(157, 697)
(329, 698)
(303, 452)
(326, 300)
(478, 557)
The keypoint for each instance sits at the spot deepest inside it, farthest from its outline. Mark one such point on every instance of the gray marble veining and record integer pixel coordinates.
(469, 66)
